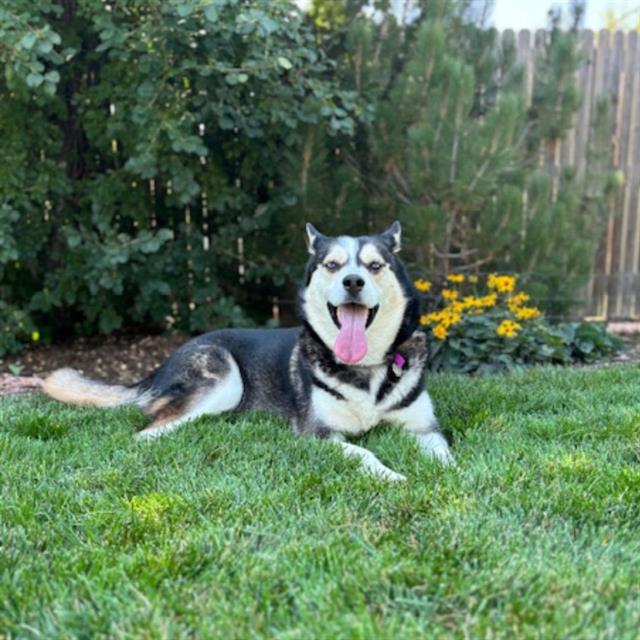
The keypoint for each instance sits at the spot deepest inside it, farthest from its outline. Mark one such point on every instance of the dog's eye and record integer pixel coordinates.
(374, 267)
(332, 266)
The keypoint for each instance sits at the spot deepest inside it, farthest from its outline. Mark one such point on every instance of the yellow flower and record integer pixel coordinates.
(422, 285)
(521, 297)
(431, 318)
(473, 279)
(35, 336)
(508, 328)
(514, 302)
(487, 301)
(456, 278)
(471, 302)
(449, 317)
(449, 294)
(502, 284)
(440, 332)
(527, 313)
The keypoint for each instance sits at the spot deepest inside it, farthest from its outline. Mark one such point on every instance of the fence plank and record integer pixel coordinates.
(618, 84)
(600, 294)
(631, 238)
(583, 121)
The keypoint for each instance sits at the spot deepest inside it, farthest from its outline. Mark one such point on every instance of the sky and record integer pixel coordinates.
(532, 14)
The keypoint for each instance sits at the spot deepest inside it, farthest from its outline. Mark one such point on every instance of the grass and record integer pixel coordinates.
(232, 528)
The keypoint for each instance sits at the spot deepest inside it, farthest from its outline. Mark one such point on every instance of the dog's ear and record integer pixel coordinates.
(393, 237)
(314, 237)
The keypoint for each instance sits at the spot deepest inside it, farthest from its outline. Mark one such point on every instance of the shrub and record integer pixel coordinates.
(15, 328)
(485, 325)
(140, 173)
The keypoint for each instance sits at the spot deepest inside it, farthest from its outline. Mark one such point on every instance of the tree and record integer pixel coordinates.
(452, 148)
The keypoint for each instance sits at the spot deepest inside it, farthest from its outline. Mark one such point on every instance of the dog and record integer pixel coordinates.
(359, 358)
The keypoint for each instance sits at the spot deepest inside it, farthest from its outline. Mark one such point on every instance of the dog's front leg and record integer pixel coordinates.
(369, 462)
(419, 420)
(435, 445)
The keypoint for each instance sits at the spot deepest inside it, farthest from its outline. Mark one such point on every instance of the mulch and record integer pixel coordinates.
(117, 358)
(128, 358)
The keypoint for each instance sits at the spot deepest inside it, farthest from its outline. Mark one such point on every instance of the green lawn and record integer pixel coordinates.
(232, 528)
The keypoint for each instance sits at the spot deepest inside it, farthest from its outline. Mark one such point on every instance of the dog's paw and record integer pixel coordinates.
(392, 476)
(434, 446)
(386, 474)
(444, 457)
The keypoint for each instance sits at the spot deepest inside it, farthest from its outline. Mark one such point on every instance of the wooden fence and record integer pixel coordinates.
(611, 67)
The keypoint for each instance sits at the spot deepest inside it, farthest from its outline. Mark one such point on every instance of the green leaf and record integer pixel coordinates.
(162, 287)
(73, 240)
(147, 89)
(586, 346)
(36, 67)
(165, 234)
(35, 80)
(285, 63)
(211, 13)
(44, 46)
(53, 77)
(109, 321)
(28, 41)
(184, 10)
(267, 24)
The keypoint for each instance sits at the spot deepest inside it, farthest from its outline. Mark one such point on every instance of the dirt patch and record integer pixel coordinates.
(118, 358)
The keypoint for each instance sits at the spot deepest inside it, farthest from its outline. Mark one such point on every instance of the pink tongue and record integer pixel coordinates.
(351, 343)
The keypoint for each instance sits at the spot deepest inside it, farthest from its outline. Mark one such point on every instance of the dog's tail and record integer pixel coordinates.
(68, 385)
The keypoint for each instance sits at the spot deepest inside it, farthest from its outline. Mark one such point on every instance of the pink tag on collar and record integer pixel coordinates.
(398, 365)
(399, 361)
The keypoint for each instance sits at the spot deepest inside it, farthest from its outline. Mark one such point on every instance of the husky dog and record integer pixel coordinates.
(359, 358)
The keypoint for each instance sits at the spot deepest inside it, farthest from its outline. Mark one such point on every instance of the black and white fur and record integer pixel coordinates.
(295, 372)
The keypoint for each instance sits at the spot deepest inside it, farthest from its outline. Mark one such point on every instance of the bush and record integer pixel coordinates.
(15, 328)
(140, 173)
(486, 325)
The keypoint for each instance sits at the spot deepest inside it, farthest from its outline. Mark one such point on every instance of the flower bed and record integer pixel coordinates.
(484, 325)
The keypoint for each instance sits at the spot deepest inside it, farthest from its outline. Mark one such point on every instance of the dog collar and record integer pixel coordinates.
(399, 362)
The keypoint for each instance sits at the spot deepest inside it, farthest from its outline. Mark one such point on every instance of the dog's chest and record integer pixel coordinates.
(353, 409)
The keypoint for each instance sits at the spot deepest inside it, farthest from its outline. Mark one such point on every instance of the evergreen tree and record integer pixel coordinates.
(452, 149)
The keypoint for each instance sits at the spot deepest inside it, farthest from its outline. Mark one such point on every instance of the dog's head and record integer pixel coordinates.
(357, 296)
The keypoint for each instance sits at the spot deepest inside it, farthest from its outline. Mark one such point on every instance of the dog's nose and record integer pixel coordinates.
(353, 283)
